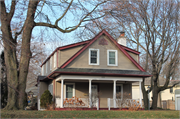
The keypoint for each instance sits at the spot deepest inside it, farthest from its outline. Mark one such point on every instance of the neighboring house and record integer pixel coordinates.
(168, 94)
(100, 65)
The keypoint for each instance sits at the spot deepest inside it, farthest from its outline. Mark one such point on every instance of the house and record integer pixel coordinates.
(101, 65)
(168, 99)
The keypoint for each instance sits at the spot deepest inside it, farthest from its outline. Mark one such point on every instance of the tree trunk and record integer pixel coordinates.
(155, 96)
(25, 52)
(17, 78)
(10, 58)
(145, 95)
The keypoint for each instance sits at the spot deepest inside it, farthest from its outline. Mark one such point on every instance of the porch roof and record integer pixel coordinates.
(97, 72)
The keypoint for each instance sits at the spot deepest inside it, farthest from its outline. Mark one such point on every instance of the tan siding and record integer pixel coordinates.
(134, 56)
(106, 91)
(66, 54)
(43, 87)
(82, 90)
(57, 89)
(82, 61)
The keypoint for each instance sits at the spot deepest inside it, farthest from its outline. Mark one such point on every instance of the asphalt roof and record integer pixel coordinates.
(101, 71)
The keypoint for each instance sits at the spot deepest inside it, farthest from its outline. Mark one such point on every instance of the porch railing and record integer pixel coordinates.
(123, 103)
(72, 102)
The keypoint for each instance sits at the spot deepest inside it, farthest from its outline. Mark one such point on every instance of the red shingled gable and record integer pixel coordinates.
(92, 41)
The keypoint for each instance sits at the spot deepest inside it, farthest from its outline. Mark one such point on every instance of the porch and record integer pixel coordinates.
(94, 91)
(98, 92)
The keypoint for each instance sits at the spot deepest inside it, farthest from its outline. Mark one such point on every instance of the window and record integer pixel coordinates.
(50, 88)
(46, 67)
(42, 70)
(93, 56)
(119, 90)
(69, 90)
(55, 58)
(51, 63)
(112, 57)
(171, 90)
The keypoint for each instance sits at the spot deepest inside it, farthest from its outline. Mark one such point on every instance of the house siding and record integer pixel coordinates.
(64, 55)
(105, 91)
(82, 61)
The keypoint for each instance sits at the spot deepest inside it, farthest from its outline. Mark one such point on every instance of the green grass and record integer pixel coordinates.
(89, 114)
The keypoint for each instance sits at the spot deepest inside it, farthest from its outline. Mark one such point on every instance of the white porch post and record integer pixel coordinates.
(90, 103)
(62, 87)
(140, 93)
(114, 93)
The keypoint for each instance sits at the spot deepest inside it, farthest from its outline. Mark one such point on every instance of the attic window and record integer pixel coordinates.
(112, 57)
(93, 56)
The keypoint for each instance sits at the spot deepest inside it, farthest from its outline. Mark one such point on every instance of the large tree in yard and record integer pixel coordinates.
(26, 14)
(154, 26)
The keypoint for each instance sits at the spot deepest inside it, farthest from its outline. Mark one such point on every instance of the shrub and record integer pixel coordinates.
(46, 99)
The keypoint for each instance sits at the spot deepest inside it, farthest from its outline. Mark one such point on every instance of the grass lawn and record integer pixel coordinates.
(89, 114)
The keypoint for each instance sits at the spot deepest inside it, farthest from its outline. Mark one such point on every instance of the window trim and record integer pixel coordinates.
(55, 59)
(42, 70)
(65, 89)
(121, 89)
(116, 58)
(91, 49)
(50, 63)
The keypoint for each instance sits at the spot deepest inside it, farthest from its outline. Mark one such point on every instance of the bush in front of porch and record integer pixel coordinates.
(46, 99)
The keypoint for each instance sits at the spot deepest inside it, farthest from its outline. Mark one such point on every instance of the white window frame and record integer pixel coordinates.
(121, 89)
(42, 70)
(91, 49)
(65, 89)
(116, 58)
(55, 59)
(50, 88)
(47, 67)
(51, 63)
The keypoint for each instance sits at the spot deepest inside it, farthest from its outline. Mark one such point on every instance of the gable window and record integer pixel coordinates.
(93, 56)
(112, 57)
(69, 90)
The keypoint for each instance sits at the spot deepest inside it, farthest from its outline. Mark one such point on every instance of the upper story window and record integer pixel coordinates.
(112, 58)
(51, 63)
(93, 56)
(42, 70)
(55, 59)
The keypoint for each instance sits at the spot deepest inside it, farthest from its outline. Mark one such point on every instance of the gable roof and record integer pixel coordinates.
(83, 43)
(92, 41)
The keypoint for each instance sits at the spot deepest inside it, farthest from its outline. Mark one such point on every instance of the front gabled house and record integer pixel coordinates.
(101, 65)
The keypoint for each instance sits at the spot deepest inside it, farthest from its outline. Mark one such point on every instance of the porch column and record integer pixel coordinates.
(90, 103)
(140, 94)
(62, 87)
(114, 93)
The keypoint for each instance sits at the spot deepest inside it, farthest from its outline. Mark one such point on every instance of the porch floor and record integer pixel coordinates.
(67, 108)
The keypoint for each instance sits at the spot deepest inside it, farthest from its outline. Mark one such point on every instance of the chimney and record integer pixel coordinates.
(122, 39)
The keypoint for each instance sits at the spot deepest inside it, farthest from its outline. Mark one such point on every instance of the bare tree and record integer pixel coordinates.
(154, 26)
(29, 11)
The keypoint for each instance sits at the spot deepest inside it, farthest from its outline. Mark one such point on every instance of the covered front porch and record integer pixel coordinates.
(99, 92)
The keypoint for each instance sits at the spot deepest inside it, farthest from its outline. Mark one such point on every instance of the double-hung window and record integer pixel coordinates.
(112, 58)
(69, 90)
(93, 56)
